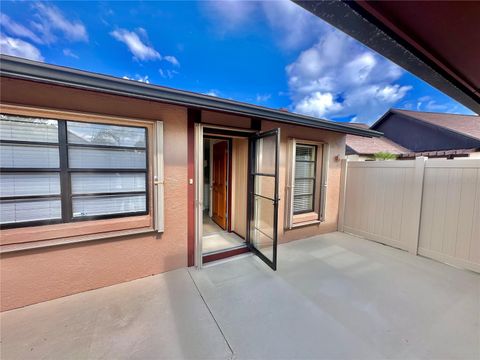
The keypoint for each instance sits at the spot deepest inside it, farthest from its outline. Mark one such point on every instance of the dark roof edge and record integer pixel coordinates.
(350, 151)
(32, 70)
(351, 18)
(433, 112)
(427, 123)
(381, 118)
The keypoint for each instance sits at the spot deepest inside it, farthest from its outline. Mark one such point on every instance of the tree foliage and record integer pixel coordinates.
(383, 155)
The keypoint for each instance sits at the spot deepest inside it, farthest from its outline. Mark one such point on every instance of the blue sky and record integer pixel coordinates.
(270, 53)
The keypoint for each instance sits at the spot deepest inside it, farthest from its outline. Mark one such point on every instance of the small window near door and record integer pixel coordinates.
(305, 178)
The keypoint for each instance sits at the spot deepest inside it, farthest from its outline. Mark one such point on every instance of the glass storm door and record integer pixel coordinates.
(263, 196)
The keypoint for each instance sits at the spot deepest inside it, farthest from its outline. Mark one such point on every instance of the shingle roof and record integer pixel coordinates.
(464, 124)
(370, 146)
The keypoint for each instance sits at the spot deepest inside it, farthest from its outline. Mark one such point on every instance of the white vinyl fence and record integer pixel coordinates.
(427, 207)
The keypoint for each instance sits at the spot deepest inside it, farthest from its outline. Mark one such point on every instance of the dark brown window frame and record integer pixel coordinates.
(64, 171)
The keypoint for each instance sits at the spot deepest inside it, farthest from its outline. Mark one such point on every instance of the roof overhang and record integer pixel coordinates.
(52, 74)
(436, 41)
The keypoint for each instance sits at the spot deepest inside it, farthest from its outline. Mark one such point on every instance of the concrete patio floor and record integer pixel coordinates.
(333, 296)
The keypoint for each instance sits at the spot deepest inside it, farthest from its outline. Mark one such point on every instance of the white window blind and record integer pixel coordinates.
(29, 176)
(304, 186)
(307, 180)
(108, 166)
(56, 171)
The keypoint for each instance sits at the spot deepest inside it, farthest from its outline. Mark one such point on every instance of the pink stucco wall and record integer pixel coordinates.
(336, 142)
(28, 277)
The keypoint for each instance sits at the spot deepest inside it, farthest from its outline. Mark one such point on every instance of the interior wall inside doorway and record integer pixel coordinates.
(207, 151)
(239, 186)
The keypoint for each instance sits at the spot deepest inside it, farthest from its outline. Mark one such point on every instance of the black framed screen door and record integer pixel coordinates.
(263, 195)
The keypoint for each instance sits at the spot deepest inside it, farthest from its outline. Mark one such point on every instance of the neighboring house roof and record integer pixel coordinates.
(369, 146)
(35, 71)
(428, 131)
(413, 133)
(468, 125)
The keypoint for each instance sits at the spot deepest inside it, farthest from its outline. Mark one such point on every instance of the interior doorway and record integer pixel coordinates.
(219, 183)
(236, 193)
(224, 182)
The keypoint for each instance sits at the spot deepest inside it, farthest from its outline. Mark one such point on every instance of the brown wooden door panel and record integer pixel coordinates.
(219, 183)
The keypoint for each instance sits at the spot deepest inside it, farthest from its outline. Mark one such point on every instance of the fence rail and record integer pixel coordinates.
(429, 207)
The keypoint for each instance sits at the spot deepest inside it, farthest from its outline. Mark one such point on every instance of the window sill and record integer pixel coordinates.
(310, 218)
(75, 229)
(305, 223)
(4, 249)
(305, 217)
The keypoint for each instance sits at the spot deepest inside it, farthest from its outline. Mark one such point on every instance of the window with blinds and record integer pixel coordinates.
(55, 171)
(305, 178)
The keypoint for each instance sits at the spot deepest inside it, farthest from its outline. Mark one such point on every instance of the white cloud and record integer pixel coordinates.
(230, 14)
(212, 93)
(261, 98)
(14, 28)
(167, 74)
(20, 48)
(427, 103)
(338, 77)
(172, 60)
(50, 20)
(137, 47)
(293, 25)
(143, 79)
(318, 104)
(70, 53)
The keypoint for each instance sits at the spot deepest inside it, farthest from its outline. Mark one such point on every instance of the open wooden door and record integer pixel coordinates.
(219, 183)
(263, 196)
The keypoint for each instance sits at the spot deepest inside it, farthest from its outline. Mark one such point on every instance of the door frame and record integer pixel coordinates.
(199, 183)
(251, 194)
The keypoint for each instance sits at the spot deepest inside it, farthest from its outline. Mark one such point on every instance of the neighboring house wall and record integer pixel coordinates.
(420, 136)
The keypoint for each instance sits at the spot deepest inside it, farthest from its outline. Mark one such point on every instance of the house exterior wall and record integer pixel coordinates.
(419, 136)
(32, 276)
(336, 142)
(45, 273)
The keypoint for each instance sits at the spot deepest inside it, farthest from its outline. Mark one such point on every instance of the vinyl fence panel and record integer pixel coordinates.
(427, 206)
(450, 227)
(379, 199)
